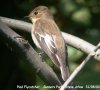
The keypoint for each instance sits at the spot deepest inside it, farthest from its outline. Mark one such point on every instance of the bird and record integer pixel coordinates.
(47, 37)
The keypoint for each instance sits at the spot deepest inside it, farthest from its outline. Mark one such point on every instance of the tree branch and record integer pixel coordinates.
(17, 24)
(69, 39)
(79, 68)
(24, 51)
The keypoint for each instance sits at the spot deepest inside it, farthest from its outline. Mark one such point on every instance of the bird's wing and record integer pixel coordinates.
(46, 42)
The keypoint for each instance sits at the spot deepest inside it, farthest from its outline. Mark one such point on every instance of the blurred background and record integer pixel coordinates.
(77, 17)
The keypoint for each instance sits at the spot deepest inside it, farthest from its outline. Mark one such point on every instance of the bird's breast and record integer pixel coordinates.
(34, 38)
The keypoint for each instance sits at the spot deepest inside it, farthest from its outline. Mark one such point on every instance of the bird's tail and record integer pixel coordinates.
(65, 73)
(63, 65)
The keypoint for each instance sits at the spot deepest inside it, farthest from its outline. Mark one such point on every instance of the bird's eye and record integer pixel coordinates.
(35, 13)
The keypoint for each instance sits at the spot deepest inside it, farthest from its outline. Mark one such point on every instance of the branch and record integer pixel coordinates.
(79, 68)
(69, 39)
(17, 24)
(24, 51)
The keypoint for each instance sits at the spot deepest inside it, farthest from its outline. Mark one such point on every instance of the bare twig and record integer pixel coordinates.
(24, 26)
(24, 51)
(69, 39)
(79, 68)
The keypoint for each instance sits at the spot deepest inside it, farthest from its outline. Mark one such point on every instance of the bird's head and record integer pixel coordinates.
(40, 12)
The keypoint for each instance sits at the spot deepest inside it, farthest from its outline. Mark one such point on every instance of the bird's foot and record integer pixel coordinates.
(41, 55)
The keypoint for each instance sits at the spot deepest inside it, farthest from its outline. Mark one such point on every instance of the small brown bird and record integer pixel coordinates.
(47, 36)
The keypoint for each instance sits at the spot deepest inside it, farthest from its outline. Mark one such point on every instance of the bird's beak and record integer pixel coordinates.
(26, 16)
(29, 16)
